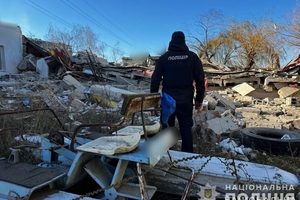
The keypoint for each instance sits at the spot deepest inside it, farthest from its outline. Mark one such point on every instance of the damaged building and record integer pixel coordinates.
(11, 49)
(83, 93)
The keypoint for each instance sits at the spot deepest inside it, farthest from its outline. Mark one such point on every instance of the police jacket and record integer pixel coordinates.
(177, 69)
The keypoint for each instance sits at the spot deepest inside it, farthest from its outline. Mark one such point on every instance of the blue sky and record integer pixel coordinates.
(140, 26)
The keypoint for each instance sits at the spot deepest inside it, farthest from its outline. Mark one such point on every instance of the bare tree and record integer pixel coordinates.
(100, 49)
(290, 29)
(30, 35)
(242, 44)
(206, 40)
(117, 53)
(62, 39)
(79, 38)
(256, 45)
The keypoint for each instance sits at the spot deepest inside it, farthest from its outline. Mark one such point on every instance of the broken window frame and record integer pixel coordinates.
(2, 59)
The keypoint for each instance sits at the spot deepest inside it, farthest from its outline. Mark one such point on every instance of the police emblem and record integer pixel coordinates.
(207, 192)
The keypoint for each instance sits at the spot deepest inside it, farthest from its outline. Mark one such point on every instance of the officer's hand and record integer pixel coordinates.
(198, 105)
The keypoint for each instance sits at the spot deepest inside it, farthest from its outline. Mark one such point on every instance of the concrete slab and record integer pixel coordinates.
(70, 80)
(261, 94)
(244, 99)
(287, 92)
(237, 80)
(243, 89)
(110, 92)
(272, 118)
(287, 119)
(291, 111)
(221, 125)
(264, 124)
(76, 105)
(247, 109)
(278, 101)
(224, 101)
(280, 85)
(296, 124)
(42, 67)
(52, 100)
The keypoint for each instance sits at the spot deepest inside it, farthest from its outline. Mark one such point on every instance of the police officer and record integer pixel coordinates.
(178, 69)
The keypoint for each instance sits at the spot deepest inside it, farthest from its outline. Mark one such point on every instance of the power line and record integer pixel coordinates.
(26, 30)
(39, 8)
(132, 36)
(51, 15)
(94, 8)
(82, 13)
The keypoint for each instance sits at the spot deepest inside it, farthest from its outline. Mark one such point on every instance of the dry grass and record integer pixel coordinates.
(44, 122)
(41, 122)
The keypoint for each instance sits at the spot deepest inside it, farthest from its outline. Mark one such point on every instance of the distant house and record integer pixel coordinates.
(151, 60)
(11, 48)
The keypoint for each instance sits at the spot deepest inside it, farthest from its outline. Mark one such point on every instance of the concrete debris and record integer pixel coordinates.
(221, 125)
(280, 85)
(296, 124)
(224, 101)
(292, 101)
(71, 81)
(287, 92)
(243, 89)
(52, 101)
(264, 101)
(83, 83)
(109, 92)
(248, 110)
(246, 100)
(212, 102)
(264, 123)
(278, 101)
(240, 152)
(42, 67)
(77, 105)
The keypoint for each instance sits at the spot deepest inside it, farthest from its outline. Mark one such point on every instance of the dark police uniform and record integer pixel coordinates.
(177, 69)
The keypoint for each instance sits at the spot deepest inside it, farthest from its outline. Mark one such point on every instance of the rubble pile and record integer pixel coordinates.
(82, 82)
(233, 109)
(228, 110)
